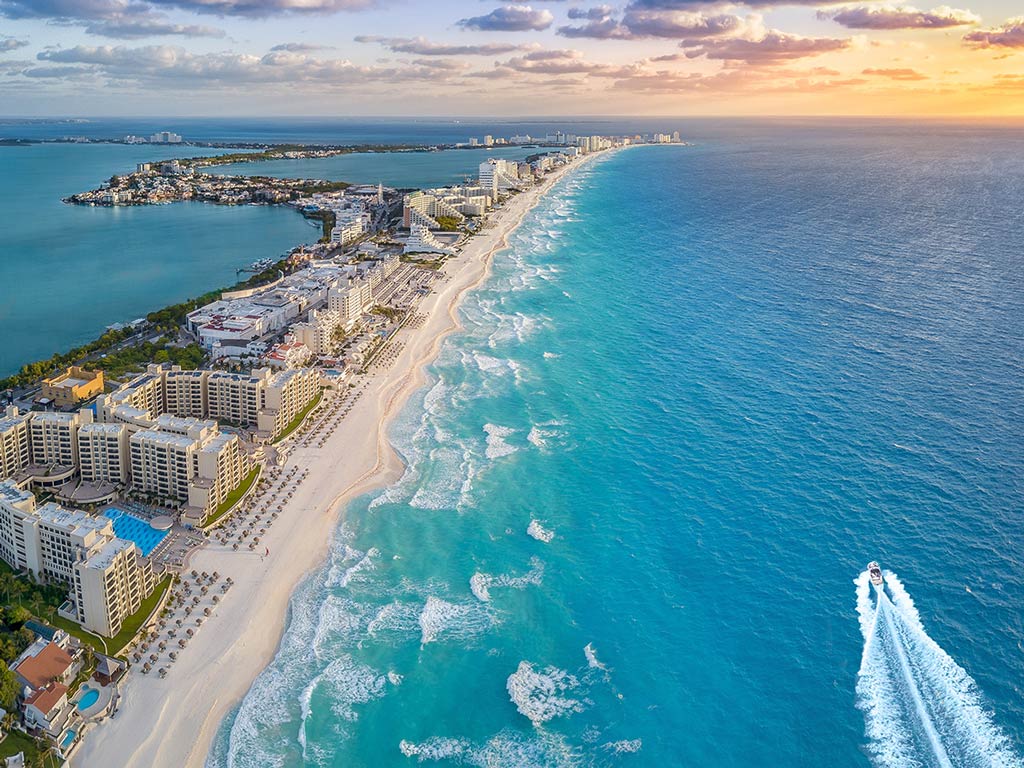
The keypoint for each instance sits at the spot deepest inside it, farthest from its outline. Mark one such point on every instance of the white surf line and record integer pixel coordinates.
(926, 720)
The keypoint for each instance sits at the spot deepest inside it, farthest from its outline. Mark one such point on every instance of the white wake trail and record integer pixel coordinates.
(921, 708)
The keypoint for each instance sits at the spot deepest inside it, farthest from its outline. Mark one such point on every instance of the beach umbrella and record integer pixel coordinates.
(190, 631)
(206, 611)
(182, 642)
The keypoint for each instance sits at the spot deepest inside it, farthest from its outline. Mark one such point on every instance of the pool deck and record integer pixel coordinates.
(100, 706)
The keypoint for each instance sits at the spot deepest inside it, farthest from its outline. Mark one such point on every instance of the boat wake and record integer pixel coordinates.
(922, 709)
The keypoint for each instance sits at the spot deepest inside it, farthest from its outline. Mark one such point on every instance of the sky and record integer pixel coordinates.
(479, 57)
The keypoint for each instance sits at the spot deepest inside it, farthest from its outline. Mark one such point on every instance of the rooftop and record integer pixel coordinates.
(49, 664)
(47, 698)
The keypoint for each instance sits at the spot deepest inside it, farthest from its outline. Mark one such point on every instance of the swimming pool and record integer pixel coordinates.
(135, 529)
(89, 697)
(68, 740)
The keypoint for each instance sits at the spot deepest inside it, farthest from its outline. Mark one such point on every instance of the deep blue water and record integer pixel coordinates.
(724, 377)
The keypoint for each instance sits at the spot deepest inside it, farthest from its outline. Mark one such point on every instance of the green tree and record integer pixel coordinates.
(8, 689)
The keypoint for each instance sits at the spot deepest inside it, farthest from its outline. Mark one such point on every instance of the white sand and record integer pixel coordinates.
(172, 721)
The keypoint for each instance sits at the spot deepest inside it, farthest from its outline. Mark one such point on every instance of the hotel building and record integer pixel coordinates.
(103, 453)
(107, 577)
(350, 300)
(15, 451)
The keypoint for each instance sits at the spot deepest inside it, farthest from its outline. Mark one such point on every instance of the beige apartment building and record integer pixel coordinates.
(103, 455)
(287, 393)
(15, 450)
(107, 577)
(185, 393)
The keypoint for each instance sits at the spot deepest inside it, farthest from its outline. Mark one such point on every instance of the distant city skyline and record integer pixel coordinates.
(389, 57)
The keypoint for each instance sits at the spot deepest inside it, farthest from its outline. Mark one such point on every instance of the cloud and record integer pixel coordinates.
(895, 74)
(8, 44)
(606, 28)
(168, 66)
(422, 47)
(681, 24)
(124, 19)
(510, 18)
(1009, 35)
(63, 73)
(774, 47)
(899, 17)
(133, 29)
(690, 5)
(263, 8)
(638, 24)
(595, 13)
(301, 47)
(78, 10)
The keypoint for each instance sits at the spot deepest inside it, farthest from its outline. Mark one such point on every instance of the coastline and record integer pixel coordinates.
(179, 716)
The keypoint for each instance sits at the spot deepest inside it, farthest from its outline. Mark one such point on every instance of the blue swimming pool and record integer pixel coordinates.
(89, 697)
(68, 740)
(135, 529)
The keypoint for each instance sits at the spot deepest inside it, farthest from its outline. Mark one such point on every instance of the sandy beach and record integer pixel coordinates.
(172, 721)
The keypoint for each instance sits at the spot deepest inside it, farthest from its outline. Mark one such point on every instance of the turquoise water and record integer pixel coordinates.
(90, 697)
(702, 388)
(127, 526)
(69, 271)
(68, 739)
(392, 169)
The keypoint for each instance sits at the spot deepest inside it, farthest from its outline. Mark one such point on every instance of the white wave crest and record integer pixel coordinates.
(592, 661)
(442, 618)
(537, 531)
(481, 583)
(497, 446)
(541, 694)
(624, 746)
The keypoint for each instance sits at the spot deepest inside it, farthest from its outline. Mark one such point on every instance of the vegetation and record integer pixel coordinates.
(232, 498)
(327, 219)
(299, 418)
(36, 752)
(138, 355)
(134, 623)
(389, 312)
(448, 223)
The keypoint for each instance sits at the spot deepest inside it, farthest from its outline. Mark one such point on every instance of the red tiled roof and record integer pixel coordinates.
(47, 665)
(46, 698)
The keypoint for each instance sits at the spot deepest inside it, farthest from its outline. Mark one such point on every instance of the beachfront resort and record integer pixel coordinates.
(110, 483)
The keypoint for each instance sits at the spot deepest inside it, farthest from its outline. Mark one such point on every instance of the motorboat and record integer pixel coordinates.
(875, 574)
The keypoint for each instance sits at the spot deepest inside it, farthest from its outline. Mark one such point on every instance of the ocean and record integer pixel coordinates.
(702, 388)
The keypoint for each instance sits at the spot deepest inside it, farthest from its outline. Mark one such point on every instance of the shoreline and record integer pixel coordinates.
(179, 716)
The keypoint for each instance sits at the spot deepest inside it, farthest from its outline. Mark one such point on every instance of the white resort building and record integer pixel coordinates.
(421, 240)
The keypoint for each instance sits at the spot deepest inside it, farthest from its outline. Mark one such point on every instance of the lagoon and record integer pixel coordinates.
(69, 271)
